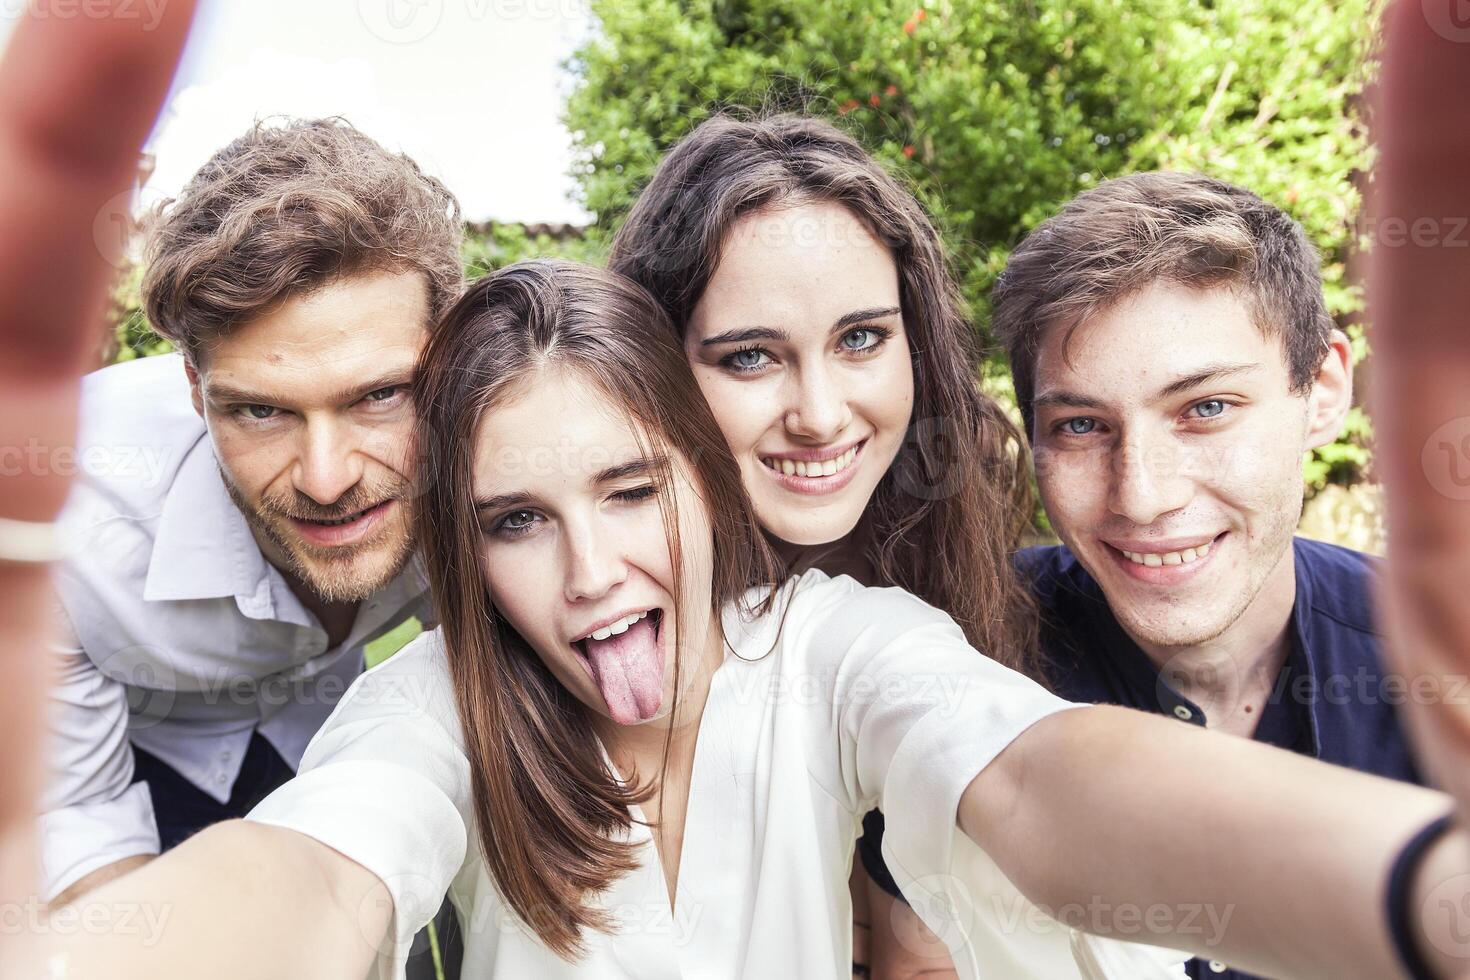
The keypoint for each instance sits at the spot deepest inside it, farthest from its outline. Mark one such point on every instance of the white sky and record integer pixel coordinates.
(472, 89)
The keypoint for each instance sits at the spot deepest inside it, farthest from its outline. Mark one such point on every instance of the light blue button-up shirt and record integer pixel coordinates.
(179, 637)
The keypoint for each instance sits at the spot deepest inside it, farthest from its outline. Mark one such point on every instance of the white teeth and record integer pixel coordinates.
(613, 629)
(797, 467)
(1168, 557)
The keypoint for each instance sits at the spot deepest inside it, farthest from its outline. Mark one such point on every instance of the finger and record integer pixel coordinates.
(77, 98)
(1420, 301)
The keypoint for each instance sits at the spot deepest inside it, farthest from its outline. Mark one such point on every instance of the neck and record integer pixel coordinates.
(1230, 676)
(847, 555)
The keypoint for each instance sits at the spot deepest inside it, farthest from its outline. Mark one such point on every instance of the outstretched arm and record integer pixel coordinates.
(253, 902)
(1120, 812)
(1419, 293)
(77, 98)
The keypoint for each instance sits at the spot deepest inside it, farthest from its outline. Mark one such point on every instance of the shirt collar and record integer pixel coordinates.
(203, 548)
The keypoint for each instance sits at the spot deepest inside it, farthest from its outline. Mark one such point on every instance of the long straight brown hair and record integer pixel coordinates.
(550, 815)
(949, 513)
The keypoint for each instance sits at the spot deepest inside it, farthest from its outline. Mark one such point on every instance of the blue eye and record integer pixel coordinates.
(259, 412)
(1080, 427)
(745, 359)
(1209, 409)
(863, 338)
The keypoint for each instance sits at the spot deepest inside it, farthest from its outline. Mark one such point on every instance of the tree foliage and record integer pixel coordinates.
(995, 112)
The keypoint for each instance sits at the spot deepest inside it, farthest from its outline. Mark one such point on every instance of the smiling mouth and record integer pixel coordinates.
(814, 469)
(338, 531)
(1160, 559)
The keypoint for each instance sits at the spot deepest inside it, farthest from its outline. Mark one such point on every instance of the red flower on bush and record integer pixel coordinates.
(908, 151)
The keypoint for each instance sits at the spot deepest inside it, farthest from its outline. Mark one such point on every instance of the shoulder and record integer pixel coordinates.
(137, 427)
(818, 622)
(1051, 570)
(403, 705)
(145, 401)
(1339, 582)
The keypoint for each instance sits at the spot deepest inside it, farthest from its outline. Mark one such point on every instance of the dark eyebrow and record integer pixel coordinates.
(774, 333)
(1066, 399)
(1206, 375)
(748, 333)
(864, 316)
(347, 396)
(622, 471)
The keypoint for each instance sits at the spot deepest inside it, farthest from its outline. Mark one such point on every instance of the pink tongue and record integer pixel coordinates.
(629, 670)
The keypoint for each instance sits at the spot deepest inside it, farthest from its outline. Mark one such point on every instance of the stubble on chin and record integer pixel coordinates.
(349, 574)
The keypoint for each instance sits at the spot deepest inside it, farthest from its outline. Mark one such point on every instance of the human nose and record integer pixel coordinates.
(595, 564)
(1148, 478)
(328, 465)
(817, 406)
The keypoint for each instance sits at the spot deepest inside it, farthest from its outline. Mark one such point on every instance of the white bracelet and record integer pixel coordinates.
(29, 542)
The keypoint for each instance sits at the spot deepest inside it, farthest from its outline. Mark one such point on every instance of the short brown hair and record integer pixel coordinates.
(288, 208)
(1124, 234)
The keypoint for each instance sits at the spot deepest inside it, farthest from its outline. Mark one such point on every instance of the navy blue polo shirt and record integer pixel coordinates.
(1334, 699)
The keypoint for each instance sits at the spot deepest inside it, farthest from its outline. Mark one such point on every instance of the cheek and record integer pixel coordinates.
(743, 411)
(521, 586)
(390, 444)
(1261, 470)
(254, 460)
(886, 397)
(1071, 483)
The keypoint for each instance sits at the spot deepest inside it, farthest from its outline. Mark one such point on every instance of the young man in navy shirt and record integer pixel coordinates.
(1174, 361)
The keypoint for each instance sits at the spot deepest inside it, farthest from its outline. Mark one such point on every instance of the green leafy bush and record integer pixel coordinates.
(996, 111)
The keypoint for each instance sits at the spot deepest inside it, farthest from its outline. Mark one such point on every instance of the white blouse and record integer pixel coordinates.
(865, 697)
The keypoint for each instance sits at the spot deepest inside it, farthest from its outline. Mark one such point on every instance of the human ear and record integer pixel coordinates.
(1332, 392)
(196, 395)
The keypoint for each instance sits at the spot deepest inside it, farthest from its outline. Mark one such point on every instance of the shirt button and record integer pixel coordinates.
(1184, 714)
(1215, 965)
(221, 779)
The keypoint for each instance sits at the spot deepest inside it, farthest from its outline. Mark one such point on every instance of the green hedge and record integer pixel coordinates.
(995, 112)
(998, 111)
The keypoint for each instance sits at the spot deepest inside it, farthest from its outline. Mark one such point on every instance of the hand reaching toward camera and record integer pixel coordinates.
(78, 95)
(1420, 311)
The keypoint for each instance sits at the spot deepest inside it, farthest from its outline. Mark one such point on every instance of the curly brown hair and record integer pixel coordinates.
(287, 208)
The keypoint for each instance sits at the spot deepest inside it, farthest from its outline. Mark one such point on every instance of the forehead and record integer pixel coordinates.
(786, 265)
(348, 329)
(1154, 337)
(556, 431)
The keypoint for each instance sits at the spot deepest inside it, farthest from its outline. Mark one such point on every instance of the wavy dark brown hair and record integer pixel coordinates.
(549, 812)
(948, 515)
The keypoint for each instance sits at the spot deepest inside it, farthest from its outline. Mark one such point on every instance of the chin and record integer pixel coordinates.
(354, 577)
